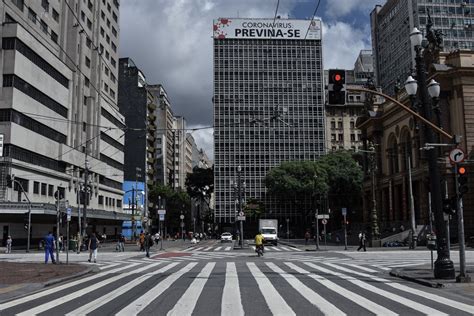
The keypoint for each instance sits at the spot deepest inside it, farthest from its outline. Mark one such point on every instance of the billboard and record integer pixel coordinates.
(227, 28)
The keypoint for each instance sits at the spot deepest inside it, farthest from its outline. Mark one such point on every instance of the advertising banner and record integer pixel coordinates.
(226, 28)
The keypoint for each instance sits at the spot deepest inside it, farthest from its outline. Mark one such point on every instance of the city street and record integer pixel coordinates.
(213, 280)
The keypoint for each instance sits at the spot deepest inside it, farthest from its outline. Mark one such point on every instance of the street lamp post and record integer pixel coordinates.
(444, 268)
(375, 222)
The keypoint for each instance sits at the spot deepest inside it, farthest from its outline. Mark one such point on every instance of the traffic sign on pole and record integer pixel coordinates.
(162, 217)
(323, 216)
(344, 211)
(68, 212)
(457, 155)
(324, 221)
(161, 212)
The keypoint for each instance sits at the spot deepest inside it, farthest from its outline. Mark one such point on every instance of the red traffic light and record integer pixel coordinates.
(462, 170)
(337, 77)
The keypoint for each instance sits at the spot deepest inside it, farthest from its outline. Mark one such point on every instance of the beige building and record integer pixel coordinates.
(397, 139)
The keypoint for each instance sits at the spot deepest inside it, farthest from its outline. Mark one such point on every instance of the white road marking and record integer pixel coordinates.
(187, 302)
(218, 248)
(356, 298)
(206, 249)
(319, 302)
(439, 299)
(61, 287)
(227, 248)
(359, 267)
(64, 299)
(391, 296)
(231, 299)
(142, 301)
(274, 300)
(104, 299)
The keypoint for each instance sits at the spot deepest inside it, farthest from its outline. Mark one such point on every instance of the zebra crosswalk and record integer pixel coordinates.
(218, 248)
(238, 287)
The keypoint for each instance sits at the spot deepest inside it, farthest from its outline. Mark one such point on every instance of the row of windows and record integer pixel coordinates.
(43, 188)
(111, 162)
(9, 115)
(109, 140)
(31, 157)
(110, 183)
(32, 92)
(112, 118)
(9, 43)
(109, 201)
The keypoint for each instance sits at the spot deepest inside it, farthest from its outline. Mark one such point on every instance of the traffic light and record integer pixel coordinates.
(26, 221)
(449, 206)
(462, 181)
(337, 87)
(9, 181)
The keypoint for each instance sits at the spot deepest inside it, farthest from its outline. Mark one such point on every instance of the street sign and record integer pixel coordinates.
(68, 212)
(241, 218)
(344, 211)
(457, 155)
(162, 217)
(324, 221)
(181, 216)
(323, 216)
(161, 212)
(241, 214)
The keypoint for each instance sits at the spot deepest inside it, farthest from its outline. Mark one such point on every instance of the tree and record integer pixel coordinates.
(200, 183)
(254, 208)
(175, 203)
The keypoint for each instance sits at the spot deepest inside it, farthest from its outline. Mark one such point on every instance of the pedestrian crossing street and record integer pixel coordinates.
(229, 248)
(239, 287)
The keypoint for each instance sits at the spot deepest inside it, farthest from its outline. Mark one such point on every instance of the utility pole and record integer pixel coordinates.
(239, 171)
(86, 195)
(412, 207)
(58, 216)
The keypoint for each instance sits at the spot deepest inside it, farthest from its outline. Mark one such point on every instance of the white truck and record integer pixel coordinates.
(269, 229)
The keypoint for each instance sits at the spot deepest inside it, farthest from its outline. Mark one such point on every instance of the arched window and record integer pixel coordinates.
(392, 155)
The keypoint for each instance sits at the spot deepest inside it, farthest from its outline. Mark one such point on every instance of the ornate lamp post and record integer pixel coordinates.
(444, 268)
(373, 213)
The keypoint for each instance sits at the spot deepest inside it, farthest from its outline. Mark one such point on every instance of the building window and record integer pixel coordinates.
(341, 137)
(333, 125)
(114, 47)
(101, 200)
(339, 125)
(113, 62)
(89, 24)
(32, 15)
(107, 39)
(115, 17)
(352, 124)
(88, 62)
(19, 4)
(55, 15)
(54, 37)
(106, 71)
(89, 43)
(83, 16)
(112, 93)
(36, 187)
(353, 137)
(44, 27)
(50, 190)
(86, 81)
(119, 203)
(102, 15)
(45, 5)
(102, 32)
(114, 31)
(44, 187)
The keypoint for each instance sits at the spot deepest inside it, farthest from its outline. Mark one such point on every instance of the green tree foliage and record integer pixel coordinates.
(200, 183)
(345, 176)
(175, 203)
(300, 179)
(254, 208)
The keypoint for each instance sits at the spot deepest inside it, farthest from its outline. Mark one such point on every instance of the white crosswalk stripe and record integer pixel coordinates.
(231, 299)
(66, 298)
(229, 248)
(319, 302)
(366, 286)
(275, 302)
(330, 286)
(142, 302)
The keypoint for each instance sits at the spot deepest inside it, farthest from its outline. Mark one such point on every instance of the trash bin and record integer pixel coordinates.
(72, 244)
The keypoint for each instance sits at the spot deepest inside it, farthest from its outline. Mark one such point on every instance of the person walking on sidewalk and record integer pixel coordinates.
(307, 236)
(362, 240)
(93, 243)
(121, 242)
(148, 243)
(49, 242)
(9, 244)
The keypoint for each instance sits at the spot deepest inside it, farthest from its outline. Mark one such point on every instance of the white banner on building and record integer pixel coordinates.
(225, 28)
(1, 145)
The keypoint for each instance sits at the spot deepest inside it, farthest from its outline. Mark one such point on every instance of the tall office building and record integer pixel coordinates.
(268, 106)
(393, 22)
(59, 114)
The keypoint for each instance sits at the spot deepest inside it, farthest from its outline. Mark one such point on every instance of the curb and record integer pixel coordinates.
(49, 283)
(69, 277)
(399, 274)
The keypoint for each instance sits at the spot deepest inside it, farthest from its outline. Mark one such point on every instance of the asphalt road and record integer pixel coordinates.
(215, 281)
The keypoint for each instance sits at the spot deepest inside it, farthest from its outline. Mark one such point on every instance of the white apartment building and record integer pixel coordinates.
(59, 114)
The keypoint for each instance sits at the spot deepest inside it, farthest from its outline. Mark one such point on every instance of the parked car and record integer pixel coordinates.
(226, 237)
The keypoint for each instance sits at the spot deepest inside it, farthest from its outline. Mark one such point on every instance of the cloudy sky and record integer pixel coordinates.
(170, 41)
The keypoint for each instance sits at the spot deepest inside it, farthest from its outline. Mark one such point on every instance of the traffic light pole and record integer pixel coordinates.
(463, 277)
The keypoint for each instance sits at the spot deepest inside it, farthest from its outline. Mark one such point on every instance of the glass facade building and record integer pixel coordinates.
(268, 107)
(393, 22)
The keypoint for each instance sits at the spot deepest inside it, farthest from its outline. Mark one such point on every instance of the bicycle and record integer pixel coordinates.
(259, 250)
